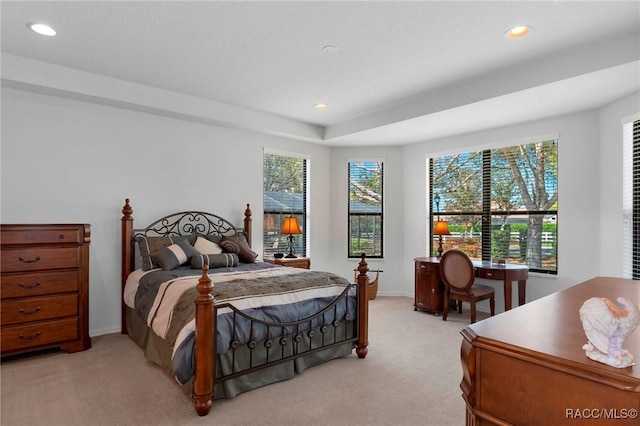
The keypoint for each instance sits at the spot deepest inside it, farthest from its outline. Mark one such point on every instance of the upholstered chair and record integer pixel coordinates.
(458, 274)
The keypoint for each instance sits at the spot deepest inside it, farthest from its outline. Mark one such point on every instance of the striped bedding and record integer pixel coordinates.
(165, 300)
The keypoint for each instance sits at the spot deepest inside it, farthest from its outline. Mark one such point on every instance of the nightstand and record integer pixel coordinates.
(429, 289)
(293, 262)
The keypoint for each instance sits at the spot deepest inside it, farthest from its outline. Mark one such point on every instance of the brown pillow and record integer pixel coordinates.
(238, 244)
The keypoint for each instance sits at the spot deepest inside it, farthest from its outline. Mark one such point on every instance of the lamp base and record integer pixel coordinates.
(440, 250)
(291, 251)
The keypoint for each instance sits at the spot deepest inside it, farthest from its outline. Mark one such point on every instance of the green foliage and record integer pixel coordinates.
(500, 240)
(283, 174)
(364, 245)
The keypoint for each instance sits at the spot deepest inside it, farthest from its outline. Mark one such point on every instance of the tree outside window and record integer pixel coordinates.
(500, 203)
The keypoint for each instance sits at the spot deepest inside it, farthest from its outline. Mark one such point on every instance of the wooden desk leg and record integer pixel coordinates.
(522, 292)
(507, 294)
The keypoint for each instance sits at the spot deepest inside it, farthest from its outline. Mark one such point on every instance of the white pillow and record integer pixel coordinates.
(205, 246)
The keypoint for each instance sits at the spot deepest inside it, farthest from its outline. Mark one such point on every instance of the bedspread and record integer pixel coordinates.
(165, 300)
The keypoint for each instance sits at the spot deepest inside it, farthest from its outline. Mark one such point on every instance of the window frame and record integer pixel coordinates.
(379, 223)
(486, 214)
(302, 214)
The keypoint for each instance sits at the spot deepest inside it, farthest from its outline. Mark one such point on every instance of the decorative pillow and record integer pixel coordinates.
(173, 256)
(205, 246)
(220, 260)
(148, 246)
(239, 238)
(238, 244)
(213, 238)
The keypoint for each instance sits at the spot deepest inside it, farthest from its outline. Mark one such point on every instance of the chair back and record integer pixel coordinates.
(456, 270)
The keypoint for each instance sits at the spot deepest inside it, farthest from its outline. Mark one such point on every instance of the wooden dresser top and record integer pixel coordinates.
(549, 329)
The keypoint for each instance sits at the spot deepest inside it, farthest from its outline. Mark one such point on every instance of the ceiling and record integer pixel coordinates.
(390, 72)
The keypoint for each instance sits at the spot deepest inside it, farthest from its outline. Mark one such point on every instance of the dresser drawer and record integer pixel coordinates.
(39, 334)
(38, 283)
(18, 311)
(39, 258)
(25, 235)
(426, 266)
(491, 274)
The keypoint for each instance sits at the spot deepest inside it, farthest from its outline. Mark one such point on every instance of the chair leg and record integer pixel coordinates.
(446, 306)
(473, 312)
(459, 305)
(492, 305)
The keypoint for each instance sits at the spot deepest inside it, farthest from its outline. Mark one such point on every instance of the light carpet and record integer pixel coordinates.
(411, 376)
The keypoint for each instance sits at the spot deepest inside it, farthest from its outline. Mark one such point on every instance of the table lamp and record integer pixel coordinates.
(441, 228)
(291, 227)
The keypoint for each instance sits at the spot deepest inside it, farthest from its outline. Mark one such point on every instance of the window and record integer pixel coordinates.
(365, 208)
(499, 204)
(285, 194)
(631, 201)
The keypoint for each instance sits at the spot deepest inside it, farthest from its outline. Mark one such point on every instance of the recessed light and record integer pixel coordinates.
(518, 31)
(42, 29)
(320, 107)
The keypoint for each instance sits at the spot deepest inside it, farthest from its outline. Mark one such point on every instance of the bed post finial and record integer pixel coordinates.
(127, 257)
(205, 345)
(363, 309)
(127, 211)
(247, 224)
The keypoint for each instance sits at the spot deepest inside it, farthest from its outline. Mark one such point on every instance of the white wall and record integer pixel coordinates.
(393, 263)
(70, 161)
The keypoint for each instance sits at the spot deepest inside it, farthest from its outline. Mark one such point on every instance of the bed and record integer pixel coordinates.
(218, 321)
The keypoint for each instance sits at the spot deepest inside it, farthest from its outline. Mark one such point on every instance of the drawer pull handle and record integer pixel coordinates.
(30, 286)
(21, 259)
(489, 274)
(61, 236)
(422, 266)
(23, 312)
(35, 336)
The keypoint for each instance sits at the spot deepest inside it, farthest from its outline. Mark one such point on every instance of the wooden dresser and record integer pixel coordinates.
(45, 287)
(527, 366)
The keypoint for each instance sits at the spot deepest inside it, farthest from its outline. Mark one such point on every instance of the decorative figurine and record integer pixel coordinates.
(607, 325)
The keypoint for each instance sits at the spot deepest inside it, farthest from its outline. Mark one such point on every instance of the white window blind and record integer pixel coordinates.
(631, 200)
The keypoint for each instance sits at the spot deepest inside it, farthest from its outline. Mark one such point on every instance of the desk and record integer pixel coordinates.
(507, 273)
(527, 366)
